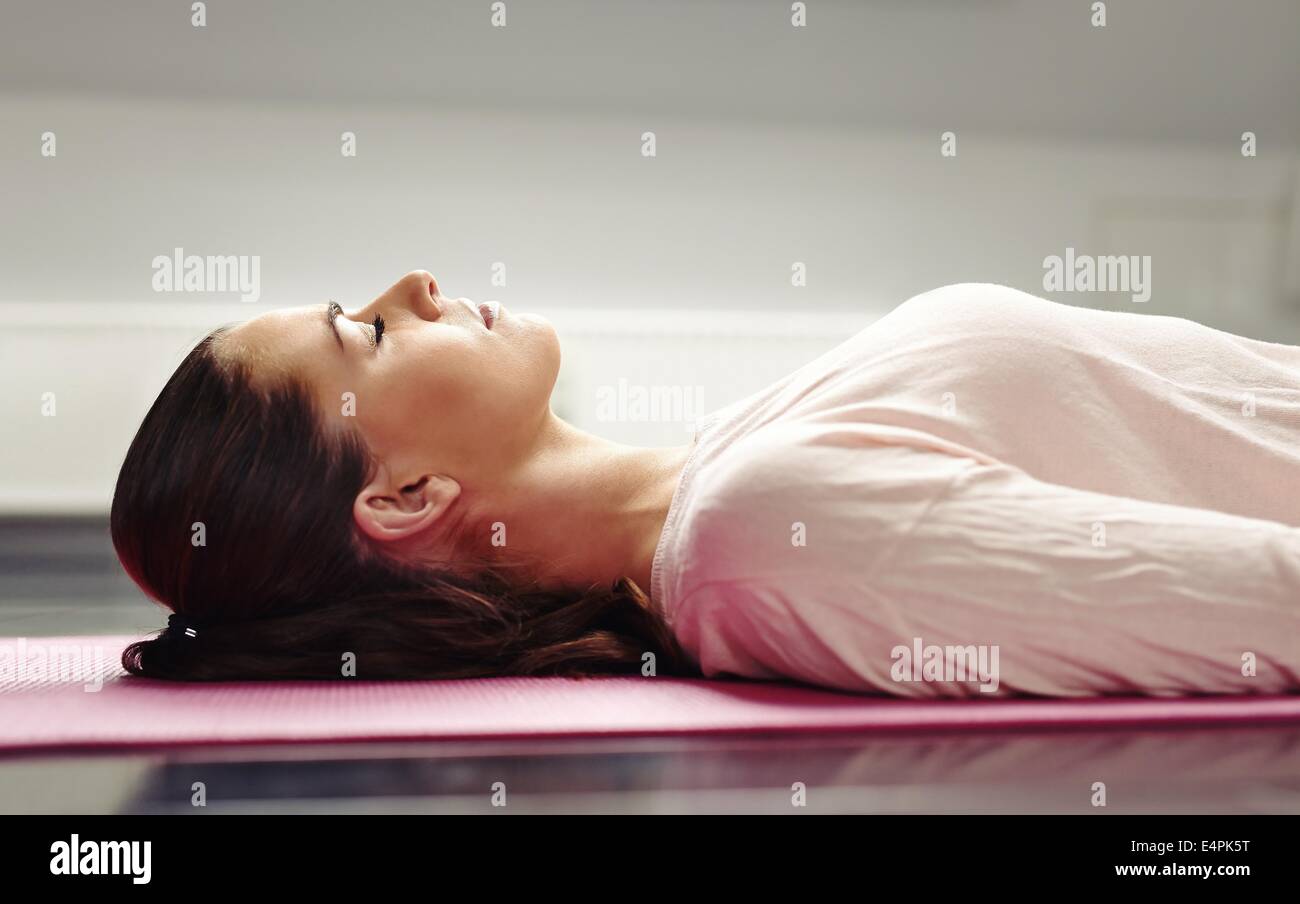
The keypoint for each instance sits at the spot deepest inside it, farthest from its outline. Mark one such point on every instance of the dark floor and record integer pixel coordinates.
(60, 577)
(1171, 772)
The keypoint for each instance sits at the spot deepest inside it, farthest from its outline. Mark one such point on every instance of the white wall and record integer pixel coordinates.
(583, 222)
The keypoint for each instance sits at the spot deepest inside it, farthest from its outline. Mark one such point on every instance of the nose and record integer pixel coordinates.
(418, 292)
(422, 281)
(415, 295)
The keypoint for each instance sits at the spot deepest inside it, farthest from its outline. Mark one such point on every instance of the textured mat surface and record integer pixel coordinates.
(69, 692)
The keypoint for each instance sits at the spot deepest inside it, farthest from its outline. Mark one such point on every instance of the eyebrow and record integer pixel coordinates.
(332, 311)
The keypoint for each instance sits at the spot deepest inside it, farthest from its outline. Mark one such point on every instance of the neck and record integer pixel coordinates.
(590, 511)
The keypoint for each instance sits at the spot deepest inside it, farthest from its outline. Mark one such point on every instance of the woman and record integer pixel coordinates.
(983, 492)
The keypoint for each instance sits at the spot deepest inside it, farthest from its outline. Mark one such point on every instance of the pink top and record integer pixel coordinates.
(1082, 502)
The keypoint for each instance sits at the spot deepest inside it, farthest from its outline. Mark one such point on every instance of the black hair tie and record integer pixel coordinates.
(178, 626)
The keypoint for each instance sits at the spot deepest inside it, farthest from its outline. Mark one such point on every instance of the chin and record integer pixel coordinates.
(536, 321)
(548, 341)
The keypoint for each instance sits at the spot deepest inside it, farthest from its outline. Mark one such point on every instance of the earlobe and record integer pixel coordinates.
(386, 512)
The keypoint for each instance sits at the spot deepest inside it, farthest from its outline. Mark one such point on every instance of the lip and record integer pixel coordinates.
(490, 311)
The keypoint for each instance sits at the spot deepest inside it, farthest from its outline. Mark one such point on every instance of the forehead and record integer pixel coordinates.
(283, 340)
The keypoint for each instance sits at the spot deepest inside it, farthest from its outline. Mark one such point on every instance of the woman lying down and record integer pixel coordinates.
(983, 493)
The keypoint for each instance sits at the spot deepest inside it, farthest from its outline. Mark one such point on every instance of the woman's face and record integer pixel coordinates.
(440, 393)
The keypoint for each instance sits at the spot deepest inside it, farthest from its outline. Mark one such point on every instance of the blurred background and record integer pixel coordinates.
(797, 190)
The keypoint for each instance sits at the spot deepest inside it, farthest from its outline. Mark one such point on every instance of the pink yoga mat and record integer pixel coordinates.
(40, 710)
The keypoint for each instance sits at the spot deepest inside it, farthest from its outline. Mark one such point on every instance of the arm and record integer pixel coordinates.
(1093, 594)
(1081, 593)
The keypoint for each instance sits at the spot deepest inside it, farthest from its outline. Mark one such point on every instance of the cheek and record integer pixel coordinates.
(499, 388)
(463, 393)
(453, 388)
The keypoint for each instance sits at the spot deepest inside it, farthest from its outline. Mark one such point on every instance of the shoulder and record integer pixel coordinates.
(980, 323)
(976, 300)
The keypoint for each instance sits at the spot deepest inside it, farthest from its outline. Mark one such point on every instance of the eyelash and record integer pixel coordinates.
(379, 330)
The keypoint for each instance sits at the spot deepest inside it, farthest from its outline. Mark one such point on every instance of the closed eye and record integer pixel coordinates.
(378, 326)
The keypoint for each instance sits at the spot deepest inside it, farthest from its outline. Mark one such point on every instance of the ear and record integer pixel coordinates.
(386, 512)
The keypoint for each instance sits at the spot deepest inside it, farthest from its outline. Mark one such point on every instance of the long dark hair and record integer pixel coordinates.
(233, 509)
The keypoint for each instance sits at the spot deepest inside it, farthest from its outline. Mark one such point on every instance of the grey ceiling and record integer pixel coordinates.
(1175, 69)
